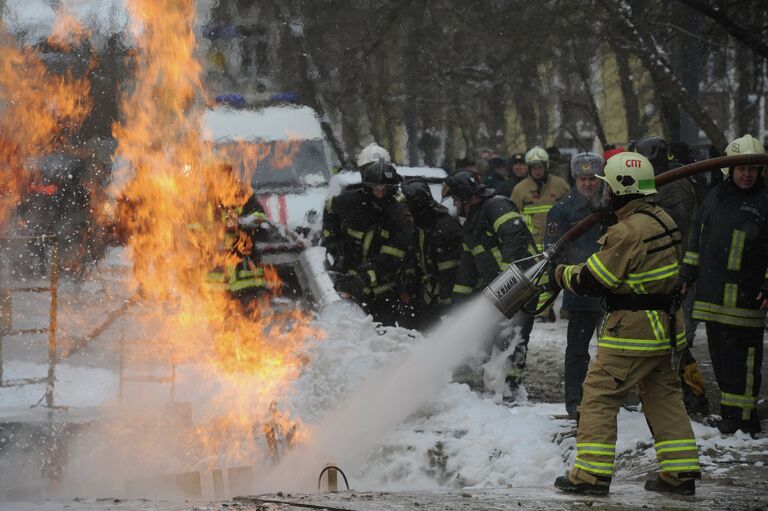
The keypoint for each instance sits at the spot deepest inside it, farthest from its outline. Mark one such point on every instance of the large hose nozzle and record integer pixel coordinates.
(513, 288)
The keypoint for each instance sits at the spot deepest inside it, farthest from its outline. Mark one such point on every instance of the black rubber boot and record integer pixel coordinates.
(659, 485)
(729, 426)
(564, 483)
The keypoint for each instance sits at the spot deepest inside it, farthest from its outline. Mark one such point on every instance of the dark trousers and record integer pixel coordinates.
(737, 357)
(581, 327)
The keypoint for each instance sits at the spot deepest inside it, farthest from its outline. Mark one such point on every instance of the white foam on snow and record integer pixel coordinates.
(428, 434)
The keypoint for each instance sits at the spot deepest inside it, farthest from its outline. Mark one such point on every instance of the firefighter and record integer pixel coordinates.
(367, 235)
(534, 197)
(584, 313)
(678, 199)
(536, 194)
(726, 258)
(438, 249)
(636, 269)
(494, 235)
(241, 273)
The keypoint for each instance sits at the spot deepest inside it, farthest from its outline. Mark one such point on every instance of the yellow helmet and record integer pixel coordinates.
(629, 173)
(743, 145)
(537, 155)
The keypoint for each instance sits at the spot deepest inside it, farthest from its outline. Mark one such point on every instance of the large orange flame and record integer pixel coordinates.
(172, 187)
(39, 110)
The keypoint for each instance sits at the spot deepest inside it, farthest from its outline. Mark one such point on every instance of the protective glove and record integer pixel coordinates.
(685, 279)
(552, 286)
(350, 286)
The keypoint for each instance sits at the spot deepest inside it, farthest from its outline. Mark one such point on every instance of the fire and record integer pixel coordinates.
(67, 31)
(177, 204)
(245, 157)
(39, 111)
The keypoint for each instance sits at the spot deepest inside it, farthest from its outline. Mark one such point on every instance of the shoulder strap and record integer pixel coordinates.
(667, 232)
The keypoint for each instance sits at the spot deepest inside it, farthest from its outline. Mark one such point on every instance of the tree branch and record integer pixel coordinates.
(646, 50)
(745, 35)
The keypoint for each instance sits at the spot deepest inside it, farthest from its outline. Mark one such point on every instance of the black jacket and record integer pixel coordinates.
(438, 253)
(367, 238)
(728, 255)
(494, 235)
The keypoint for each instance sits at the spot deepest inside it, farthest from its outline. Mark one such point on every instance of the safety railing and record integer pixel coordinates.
(7, 330)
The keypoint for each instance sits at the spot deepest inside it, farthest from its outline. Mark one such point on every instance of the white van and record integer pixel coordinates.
(283, 149)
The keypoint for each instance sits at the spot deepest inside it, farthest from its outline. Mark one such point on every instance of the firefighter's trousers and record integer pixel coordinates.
(609, 379)
(737, 358)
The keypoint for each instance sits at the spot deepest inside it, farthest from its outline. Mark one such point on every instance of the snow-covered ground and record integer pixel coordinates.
(454, 439)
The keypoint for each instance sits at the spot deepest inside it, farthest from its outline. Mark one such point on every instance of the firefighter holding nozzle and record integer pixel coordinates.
(636, 270)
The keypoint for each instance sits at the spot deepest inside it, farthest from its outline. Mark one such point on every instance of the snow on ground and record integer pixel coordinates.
(456, 439)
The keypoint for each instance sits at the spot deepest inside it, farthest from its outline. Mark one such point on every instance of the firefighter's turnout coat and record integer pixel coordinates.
(534, 201)
(728, 252)
(438, 254)
(638, 256)
(243, 273)
(371, 239)
(494, 236)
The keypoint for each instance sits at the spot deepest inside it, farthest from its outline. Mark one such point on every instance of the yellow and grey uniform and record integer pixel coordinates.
(534, 201)
(636, 269)
(240, 274)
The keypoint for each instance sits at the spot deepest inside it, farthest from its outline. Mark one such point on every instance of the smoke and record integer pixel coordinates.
(347, 435)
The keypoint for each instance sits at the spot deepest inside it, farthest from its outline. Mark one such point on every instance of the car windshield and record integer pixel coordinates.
(278, 165)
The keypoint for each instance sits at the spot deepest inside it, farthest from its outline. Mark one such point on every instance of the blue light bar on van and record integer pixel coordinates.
(285, 97)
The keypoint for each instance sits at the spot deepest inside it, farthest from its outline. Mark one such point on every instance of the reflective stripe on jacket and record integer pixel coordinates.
(494, 236)
(438, 254)
(728, 252)
(372, 239)
(637, 256)
(534, 203)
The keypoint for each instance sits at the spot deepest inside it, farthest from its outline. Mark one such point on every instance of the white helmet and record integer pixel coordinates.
(537, 155)
(629, 173)
(744, 145)
(371, 153)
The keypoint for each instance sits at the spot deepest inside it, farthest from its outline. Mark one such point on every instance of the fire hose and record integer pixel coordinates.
(514, 288)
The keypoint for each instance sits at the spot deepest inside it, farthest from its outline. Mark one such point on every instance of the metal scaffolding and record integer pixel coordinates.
(6, 316)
